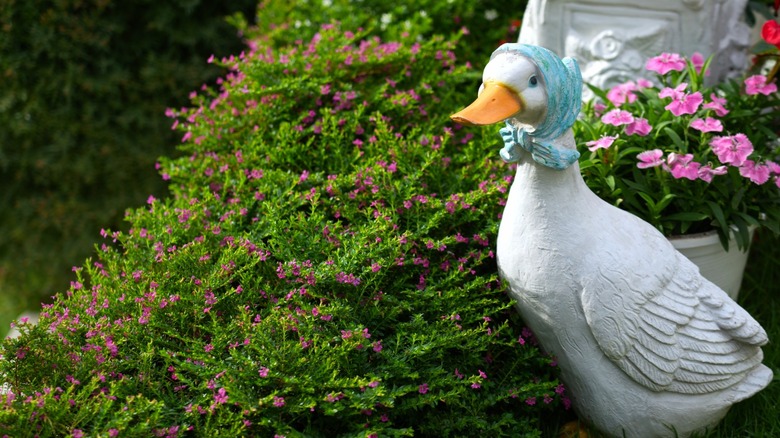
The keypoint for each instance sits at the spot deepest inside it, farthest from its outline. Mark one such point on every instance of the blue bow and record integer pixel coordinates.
(543, 152)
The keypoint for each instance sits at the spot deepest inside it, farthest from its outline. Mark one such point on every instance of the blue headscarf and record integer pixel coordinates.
(563, 83)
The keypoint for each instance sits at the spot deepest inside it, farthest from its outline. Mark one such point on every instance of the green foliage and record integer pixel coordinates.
(323, 267)
(83, 89)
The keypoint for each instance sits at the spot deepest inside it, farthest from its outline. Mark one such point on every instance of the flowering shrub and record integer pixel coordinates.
(686, 157)
(323, 267)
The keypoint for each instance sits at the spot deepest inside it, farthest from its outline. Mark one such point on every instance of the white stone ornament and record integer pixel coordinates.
(646, 345)
(612, 39)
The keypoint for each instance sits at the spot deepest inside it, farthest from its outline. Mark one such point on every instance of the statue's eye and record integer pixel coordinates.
(532, 81)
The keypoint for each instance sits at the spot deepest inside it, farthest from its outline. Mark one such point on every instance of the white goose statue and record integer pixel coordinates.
(645, 344)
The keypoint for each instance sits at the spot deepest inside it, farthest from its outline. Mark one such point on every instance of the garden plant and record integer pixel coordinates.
(323, 267)
(684, 156)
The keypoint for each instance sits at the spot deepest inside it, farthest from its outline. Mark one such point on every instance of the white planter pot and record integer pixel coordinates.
(724, 268)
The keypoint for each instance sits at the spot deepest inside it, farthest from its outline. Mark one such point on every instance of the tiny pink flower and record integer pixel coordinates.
(652, 158)
(697, 59)
(773, 167)
(622, 93)
(717, 104)
(617, 117)
(530, 401)
(643, 83)
(221, 396)
(77, 433)
(757, 84)
(598, 109)
(683, 166)
(733, 149)
(639, 126)
(666, 62)
(758, 173)
(263, 372)
(706, 173)
(707, 125)
(422, 389)
(278, 401)
(602, 143)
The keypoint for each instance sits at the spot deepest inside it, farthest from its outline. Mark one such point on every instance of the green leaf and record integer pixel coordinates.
(718, 213)
(610, 180)
(678, 143)
(689, 216)
(649, 200)
(664, 202)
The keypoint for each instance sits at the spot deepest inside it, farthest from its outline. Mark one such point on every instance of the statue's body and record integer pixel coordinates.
(646, 345)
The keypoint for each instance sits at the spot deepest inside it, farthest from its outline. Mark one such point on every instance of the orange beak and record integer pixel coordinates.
(496, 103)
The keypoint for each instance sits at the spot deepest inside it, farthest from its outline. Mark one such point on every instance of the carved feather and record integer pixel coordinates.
(688, 337)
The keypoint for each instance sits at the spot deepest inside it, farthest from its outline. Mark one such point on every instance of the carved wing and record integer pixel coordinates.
(672, 330)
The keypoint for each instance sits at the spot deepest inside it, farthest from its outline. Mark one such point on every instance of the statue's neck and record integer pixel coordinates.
(536, 180)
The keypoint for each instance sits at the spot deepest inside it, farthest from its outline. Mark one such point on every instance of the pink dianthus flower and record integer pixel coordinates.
(757, 84)
(617, 117)
(732, 149)
(666, 62)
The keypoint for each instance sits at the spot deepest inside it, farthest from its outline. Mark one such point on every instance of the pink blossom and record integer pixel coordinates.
(617, 117)
(643, 83)
(263, 372)
(718, 104)
(757, 84)
(773, 167)
(666, 62)
(598, 109)
(682, 102)
(604, 142)
(278, 401)
(622, 93)
(707, 125)
(697, 59)
(683, 166)
(422, 389)
(733, 149)
(758, 173)
(652, 158)
(639, 126)
(706, 173)
(221, 396)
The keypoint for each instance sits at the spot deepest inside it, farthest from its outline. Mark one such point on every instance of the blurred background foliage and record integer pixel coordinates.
(84, 85)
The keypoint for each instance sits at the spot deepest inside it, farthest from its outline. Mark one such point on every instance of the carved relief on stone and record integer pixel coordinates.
(612, 39)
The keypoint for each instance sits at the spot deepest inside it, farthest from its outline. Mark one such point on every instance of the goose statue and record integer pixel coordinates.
(645, 344)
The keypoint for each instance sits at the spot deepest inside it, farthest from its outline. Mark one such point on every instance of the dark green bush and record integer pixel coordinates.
(323, 267)
(83, 88)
